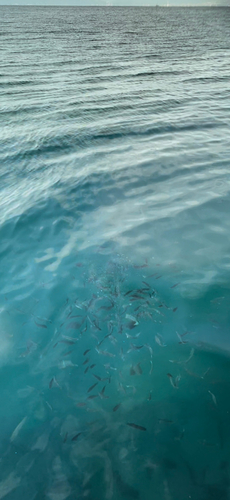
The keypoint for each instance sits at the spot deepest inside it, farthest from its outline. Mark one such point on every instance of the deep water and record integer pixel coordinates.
(114, 253)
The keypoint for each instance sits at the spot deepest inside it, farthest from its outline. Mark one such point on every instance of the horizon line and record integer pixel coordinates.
(162, 6)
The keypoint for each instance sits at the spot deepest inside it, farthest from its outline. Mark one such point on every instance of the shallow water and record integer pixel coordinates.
(114, 239)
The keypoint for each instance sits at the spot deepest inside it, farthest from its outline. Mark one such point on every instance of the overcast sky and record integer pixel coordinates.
(117, 2)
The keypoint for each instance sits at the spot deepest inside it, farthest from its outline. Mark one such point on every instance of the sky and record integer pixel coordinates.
(164, 3)
(118, 2)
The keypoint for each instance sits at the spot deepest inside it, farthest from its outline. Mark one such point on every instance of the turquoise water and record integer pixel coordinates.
(114, 244)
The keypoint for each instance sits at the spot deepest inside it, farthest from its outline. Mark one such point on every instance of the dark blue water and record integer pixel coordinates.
(115, 253)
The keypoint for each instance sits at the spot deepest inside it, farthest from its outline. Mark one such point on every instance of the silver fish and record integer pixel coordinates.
(17, 429)
(159, 340)
(105, 353)
(213, 398)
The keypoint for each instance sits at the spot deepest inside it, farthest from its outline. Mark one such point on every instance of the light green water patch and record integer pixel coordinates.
(166, 439)
(109, 390)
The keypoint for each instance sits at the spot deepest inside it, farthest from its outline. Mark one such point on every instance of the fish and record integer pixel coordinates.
(132, 371)
(132, 336)
(73, 325)
(174, 286)
(42, 319)
(131, 325)
(54, 383)
(93, 396)
(150, 465)
(72, 339)
(205, 373)
(151, 367)
(68, 342)
(159, 340)
(213, 398)
(75, 316)
(172, 382)
(95, 323)
(143, 290)
(149, 348)
(175, 309)
(105, 337)
(138, 369)
(217, 300)
(110, 327)
(24, 392)
(87, 350)
(88, 476)
(140, 267)
(158, 312)
(192, 373)
(87, 368)
(191, 355)
(181, 340)
(92, 387)
(121, 388)
(51, 383)
(66, 363)
(67, 353)
(147, 284)
(31, 347)
(101, 394)
(86, 361)
(183, 362)
(136, 297)
(186, 333)
(106, 308)
(135, 348)
(105, 353)
(76, 437)
(120, 330)
(165, 420)
(40, 324)
(113, 339)
(128, 316)
(132, 387)
(92, 366)
(49, 406)
(97, 377)
(135, 426)
(17, 429)
(122, 354)
(41, 442)
(84, 329)
(145, 314)
(116, 407)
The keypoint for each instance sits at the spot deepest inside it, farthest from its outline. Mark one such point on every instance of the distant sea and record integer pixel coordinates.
(114, 253)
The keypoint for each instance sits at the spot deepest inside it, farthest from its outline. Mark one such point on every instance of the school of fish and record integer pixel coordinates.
(105, 415)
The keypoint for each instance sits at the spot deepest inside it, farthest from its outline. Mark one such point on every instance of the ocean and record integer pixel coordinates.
(115, 253)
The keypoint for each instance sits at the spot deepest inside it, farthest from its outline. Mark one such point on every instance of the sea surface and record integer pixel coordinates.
(114, 253)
